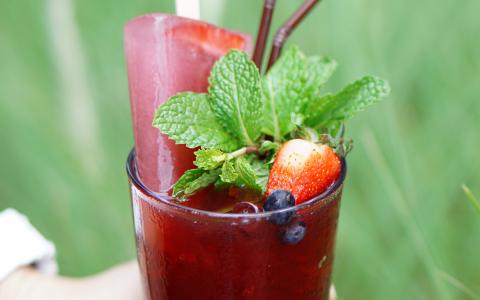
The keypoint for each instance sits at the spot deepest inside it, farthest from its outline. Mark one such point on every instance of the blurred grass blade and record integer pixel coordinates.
(458, 284)
(405, 215)
(471, 198)
(79, 112)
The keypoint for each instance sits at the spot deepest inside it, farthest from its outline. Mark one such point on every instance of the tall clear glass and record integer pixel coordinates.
(186, 253)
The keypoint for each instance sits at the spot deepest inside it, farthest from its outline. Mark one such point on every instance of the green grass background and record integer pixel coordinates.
(407, 230)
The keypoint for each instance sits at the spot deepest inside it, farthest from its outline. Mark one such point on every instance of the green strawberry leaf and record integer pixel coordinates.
(235, 96)
(209, 159)
(305, 133)
(290, 84)
(187, 119)
(352, 99)
(193, 181)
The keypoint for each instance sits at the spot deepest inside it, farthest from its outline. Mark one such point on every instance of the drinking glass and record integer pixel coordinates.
(187, 253)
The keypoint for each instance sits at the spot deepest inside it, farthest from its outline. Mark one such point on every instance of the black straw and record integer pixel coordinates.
(287, 28)
(263, 31)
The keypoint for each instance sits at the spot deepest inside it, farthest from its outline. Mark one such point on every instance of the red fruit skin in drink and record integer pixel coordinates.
(165, 55)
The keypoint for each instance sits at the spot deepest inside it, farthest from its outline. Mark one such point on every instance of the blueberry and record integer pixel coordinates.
(279, 199)
(281, 218)
(294, 233)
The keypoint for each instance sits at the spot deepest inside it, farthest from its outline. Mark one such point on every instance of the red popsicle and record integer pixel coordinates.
(166, 55)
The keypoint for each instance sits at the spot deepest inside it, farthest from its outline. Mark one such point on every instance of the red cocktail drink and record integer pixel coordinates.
(236, 192)
(186, 253)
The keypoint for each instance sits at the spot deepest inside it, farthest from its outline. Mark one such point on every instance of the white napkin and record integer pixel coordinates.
(21, 245)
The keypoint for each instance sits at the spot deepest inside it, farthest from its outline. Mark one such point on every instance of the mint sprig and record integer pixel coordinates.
(209, 159)
(241, 173)
(243, 120)
(353, 99)
(235, 96)
(290, 84)
(192, 181)
(187, 119)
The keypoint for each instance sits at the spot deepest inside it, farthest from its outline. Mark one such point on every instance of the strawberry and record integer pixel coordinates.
(303, 168)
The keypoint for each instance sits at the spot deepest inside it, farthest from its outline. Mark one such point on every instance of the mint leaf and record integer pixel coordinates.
(360, 95)
(296, 119)
(320, 110)
(229, 174)
(281, 88)
(203, 181)
(290, 84)
(246, 174)
(192, 181)
(267, 146)
(209, 159)
(220, 184)
(261, 169)
(235, 96)
(239, 172)
(352, 99)
(187, 119)
(318, 70)
(185, 180)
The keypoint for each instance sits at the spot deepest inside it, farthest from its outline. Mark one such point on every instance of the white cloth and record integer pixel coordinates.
(21, 245)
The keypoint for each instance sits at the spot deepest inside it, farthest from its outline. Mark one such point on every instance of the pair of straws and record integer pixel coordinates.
(282, 33)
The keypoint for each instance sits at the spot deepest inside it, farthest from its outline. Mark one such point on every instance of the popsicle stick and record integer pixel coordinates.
(287, 28)
(188, 8)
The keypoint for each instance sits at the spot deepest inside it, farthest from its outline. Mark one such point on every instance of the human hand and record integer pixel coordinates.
(122, 282)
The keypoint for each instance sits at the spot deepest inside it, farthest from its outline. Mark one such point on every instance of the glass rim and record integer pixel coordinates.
(134, 179)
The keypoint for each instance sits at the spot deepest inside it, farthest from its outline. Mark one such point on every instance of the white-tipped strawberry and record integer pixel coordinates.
(303, 168)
